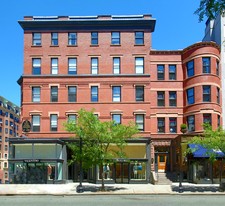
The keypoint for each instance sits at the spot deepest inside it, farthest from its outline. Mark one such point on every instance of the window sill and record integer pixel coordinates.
(116, 45)
(139, 45)
(36, 45)
(54, 45)
(71, 45)
(92, 45)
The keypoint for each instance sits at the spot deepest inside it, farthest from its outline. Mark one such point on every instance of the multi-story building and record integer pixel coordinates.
(215, 31)
(107, 63)
(9, 127)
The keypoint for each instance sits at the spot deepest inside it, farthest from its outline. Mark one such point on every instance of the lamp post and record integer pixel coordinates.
(80, 188)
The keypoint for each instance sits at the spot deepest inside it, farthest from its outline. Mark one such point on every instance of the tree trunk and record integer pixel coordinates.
(102, 174)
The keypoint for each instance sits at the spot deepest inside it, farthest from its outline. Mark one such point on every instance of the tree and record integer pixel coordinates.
(210, 9)
(97, 138)
(213, 141)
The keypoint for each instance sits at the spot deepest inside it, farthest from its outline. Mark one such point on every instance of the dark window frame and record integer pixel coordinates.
(72, 69)
(54, 94)
(206, 93)
(115, 38)
(54, 39)
(139, 93)
(72, 94)
(139, 38)
(160, 72)
(94, 38)
(94, 93)
(206, 65)
(116, 93)
(36, 66)
(190, 96)
(72, 39)
(161, 98)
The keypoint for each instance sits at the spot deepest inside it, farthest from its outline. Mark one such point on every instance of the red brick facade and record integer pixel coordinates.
(171, 89)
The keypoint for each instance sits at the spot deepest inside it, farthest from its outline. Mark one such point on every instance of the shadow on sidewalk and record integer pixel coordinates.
(93, 188)
(196, 188)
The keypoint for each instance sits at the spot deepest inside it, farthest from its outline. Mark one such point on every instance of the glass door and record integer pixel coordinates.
(122, 172)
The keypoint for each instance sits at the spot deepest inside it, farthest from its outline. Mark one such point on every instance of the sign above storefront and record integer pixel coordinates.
(31, 160)
(26, 126)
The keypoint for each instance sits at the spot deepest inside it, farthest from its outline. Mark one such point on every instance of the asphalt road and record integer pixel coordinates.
(115, 200)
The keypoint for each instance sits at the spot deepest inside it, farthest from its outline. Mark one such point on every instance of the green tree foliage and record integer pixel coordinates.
(210, 8)
(96, 138)
(212, 140)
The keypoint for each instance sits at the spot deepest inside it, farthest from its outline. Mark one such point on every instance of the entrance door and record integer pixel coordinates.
(122, 172)
(162, 162)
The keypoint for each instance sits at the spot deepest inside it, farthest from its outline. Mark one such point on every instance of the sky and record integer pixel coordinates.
(176, 27)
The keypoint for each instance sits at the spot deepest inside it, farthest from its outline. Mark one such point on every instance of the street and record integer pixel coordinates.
(114, 200)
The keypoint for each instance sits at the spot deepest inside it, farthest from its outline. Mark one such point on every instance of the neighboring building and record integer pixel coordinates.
(9, 128)
(107, 63)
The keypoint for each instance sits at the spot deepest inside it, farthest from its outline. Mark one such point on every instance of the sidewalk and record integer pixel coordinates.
(112, 189)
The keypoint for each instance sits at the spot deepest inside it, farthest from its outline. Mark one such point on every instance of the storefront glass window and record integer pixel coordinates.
(23, 151)
(138, 170)
(44, 151)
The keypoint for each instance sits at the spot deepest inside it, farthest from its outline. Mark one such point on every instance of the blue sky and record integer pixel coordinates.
(176, 27)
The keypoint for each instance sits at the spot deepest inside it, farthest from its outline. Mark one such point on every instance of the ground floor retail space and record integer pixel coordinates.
(45, 161)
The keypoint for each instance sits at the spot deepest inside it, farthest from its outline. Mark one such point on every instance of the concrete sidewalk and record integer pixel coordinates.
(114, 189)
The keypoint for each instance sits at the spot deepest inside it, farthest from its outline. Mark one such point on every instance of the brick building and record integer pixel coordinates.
(9, 127)
(107, 63)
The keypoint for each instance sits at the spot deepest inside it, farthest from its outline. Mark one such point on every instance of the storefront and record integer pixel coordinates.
(201, 169)
(134, 168)
(35, 161)
(44, 161)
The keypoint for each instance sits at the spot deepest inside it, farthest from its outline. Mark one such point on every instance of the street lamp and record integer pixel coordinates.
(80, 188)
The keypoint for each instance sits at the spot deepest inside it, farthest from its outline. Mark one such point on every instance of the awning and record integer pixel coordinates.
(199, 151)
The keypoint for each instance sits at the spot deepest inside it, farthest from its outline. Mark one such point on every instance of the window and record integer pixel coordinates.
(173, 124)
(161, 125)
(218, 95)
(139, 37)
(72, 39)
(190, 68)
(94, 38)
(36, 66)
(72, 118)
(94, 65)
(206, 93)
(218, 121)
(6, 122)
(36, 39)
(54, 65)
(207, 119)
(139, 65)
(54, 39)
(54, 122)
(191, 123)
(217, 68)
(161, 98)
(115, 38)
(94, 94)
(72, 93)
(116, 118)
(35, 123)
(172, 72)
(160, 72)
(72, 66)
(139, 93)
(139, 119)
(206, 65)
(173, 99)
(190, 96)
(116, 90)
(36, 94)
(54, 94)
(116, 65)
